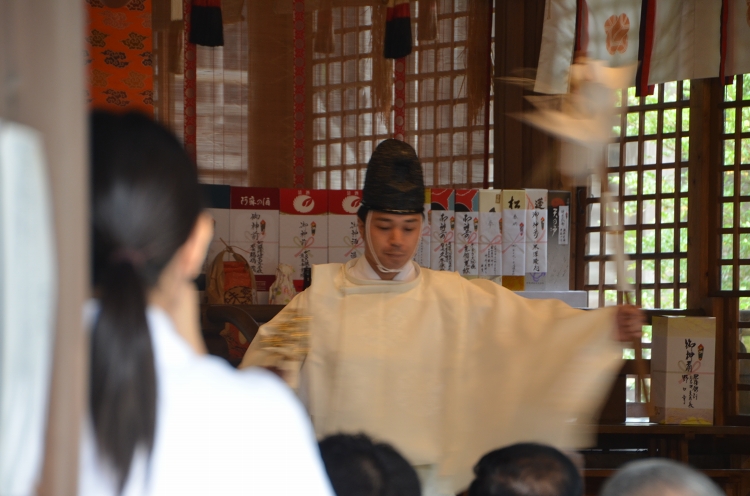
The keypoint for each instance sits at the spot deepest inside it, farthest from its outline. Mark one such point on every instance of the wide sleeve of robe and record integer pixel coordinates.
(525, 370)
(255, 356)
(446, 369)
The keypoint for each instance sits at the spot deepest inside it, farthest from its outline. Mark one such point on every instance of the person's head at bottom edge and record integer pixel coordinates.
(526, 469)
(357, 466)
(659, 477)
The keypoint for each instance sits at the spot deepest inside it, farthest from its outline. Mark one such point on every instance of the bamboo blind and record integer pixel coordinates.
(221, 107)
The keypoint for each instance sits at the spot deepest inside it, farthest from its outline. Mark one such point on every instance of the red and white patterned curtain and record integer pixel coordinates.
(670, 40)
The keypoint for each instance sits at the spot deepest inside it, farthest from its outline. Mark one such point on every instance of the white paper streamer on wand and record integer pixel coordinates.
(583, 120)
(614, 231)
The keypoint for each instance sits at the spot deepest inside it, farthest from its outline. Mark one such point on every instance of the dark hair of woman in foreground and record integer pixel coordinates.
(145, 201)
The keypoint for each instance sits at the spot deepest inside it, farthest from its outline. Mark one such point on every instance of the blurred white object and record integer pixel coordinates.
(27, 302)
(583, 120)
(583, 117)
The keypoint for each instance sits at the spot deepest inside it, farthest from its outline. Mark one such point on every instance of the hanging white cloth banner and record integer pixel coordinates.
(613, 31)
(558, 43)
(27, 303)
(737, 27)
(687, 40)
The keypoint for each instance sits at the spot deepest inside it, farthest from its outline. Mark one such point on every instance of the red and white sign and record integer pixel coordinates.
(254, 231)
(422, 256)
(442, 226)
(490, 233)
(344, 239)
(536, 231)
(466, 256)
(303, 238)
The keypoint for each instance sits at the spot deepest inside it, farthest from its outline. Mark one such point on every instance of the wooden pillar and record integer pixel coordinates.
(270, 95)
(42, 85)
(524, 156)
(703, 176)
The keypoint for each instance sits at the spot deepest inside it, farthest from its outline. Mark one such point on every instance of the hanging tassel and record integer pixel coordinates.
(382, 68)
(323, 42)
(206, 27)
(397, 42)
(427, 20)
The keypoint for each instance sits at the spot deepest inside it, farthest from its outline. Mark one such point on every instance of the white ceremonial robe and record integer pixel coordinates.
(219, 431)
(446, 369)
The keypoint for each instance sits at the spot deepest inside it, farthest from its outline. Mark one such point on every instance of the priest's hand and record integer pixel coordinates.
(630, 320)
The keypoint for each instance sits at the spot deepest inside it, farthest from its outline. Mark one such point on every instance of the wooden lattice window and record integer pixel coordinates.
(346, 128)
(438, 124)
(647, 171)
(734, 230)
(733, 269)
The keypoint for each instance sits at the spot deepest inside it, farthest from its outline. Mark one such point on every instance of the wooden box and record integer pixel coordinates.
(682, 370)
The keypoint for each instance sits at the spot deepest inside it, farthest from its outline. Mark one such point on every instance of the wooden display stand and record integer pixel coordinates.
(721, 452)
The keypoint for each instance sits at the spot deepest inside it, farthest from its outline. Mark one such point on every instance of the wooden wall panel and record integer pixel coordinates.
(524, 157)
(270, 106)
(119, 44)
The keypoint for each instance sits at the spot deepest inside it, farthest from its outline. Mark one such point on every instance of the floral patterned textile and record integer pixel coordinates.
(119, 56)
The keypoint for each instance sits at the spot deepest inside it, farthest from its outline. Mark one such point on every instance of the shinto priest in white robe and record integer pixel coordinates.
(446, 369)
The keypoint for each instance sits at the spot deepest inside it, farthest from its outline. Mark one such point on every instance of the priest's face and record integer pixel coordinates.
(394, 238)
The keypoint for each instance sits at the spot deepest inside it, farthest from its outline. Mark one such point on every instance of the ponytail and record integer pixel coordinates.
(145, 200)
(123, 379)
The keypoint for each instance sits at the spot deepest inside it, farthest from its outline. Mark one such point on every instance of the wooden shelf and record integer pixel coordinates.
(672, 430)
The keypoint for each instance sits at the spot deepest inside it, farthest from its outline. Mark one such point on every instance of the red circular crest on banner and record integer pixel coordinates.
(617, 28)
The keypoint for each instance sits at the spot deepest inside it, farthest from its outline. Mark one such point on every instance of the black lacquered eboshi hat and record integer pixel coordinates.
(394, 181)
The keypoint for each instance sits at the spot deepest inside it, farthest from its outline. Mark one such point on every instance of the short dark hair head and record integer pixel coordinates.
(526, 469)
(359, 467)
(659, 476)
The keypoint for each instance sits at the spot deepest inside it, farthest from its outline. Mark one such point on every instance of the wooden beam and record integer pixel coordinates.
(703, 176)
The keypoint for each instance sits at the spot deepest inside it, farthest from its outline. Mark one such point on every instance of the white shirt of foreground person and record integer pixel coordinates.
(446, 369)
(218, 431)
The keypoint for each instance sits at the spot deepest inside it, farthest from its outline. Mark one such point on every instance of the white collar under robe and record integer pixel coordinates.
(446, 369)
